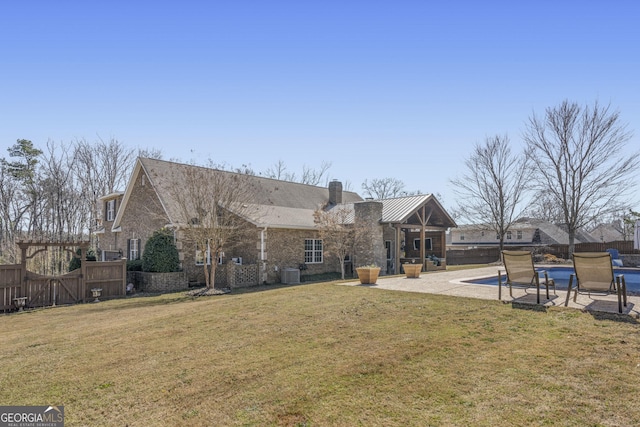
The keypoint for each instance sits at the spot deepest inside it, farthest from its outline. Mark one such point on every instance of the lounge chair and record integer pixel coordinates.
(522, 274)
(615, 257)
(594, 275)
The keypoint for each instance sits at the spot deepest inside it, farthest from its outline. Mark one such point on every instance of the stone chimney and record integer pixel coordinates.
(335, 192)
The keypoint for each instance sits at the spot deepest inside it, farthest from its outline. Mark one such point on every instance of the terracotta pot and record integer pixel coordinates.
(368, 275)
(412, 270)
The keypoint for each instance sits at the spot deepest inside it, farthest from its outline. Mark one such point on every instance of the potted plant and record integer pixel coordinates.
(368, 274)
(412, 270)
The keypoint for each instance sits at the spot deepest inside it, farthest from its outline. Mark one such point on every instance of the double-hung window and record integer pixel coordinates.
(200, 256)
(111, 210)
(134, 249)
(313, 251)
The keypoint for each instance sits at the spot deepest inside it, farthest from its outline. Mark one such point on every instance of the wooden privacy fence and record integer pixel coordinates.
(485, 255)
(71, 288)
(623, 247)
(38, 290)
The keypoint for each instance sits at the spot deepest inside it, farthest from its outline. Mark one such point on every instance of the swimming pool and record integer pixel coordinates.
(560, 276)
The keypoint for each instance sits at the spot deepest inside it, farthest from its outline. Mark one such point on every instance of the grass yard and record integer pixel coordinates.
(322, 355)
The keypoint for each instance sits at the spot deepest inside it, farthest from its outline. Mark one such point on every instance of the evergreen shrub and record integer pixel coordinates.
(160, 253)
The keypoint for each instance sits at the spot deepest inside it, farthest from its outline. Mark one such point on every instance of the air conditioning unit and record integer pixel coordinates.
(290, 276)
(237, 260)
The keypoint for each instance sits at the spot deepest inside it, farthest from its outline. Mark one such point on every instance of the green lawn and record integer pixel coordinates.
(322, 355)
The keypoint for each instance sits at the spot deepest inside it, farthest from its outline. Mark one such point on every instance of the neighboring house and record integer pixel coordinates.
(110, 247)
(611, 232)
(282, 223)
(524, 232)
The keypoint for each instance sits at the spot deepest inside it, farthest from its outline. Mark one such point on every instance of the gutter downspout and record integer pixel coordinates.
(262, 257)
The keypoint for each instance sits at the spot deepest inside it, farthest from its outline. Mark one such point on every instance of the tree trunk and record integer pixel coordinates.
(207, 280)
(212, 275)
(572, 242)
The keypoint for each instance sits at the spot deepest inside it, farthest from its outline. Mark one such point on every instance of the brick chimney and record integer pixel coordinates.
(335, 192)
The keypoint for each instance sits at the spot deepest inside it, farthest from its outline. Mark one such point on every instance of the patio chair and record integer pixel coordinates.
(522, 274)
(594, 275)
(615, 257)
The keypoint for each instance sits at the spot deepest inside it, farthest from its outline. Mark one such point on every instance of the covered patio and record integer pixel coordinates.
(415, 232)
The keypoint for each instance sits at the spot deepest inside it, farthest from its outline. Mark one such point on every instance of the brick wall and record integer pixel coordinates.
(143, 216)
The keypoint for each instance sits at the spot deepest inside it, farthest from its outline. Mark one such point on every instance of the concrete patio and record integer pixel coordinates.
(453, 283)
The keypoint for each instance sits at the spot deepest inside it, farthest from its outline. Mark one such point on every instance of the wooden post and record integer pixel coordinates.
(124, 276)
(23, 270)
(398, 237)
(83, 270)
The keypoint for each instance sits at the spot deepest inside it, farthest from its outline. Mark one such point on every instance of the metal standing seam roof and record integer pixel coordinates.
(399, 209)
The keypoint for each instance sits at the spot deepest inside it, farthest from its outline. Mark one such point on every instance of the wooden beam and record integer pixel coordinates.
(397, 248)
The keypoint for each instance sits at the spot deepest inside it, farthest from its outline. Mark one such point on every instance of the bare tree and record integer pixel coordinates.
(101, 167)
(315, 176)
(212, 205)
(309, 175)
(629, 220)
(150, 153)
(279, 171)
(65, 215)
(339, 235)
(578, 152)
(384, 188)
(494, 186)
(544, 208)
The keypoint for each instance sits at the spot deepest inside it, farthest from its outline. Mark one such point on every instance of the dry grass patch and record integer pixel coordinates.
(323, 354)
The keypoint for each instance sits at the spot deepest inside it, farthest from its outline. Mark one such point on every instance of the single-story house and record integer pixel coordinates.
(611, 232)
(284, 234)
(524, 232)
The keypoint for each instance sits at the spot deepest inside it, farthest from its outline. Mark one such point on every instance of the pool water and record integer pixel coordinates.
(560, 276)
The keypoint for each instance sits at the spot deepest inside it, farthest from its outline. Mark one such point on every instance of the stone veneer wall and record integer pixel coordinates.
(158, 282)
(630, 260)
(371, 249)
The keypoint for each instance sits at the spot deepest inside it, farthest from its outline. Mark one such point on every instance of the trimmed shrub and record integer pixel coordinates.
(160, 253)
(134, 265)
(75, 261)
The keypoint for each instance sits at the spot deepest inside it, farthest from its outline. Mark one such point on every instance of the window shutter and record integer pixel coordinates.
(128, 248)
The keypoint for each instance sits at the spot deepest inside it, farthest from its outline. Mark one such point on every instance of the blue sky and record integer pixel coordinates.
(400, 89)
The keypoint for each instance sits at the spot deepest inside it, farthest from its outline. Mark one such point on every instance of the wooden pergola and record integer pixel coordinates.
(427, 217)
(67, 246)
